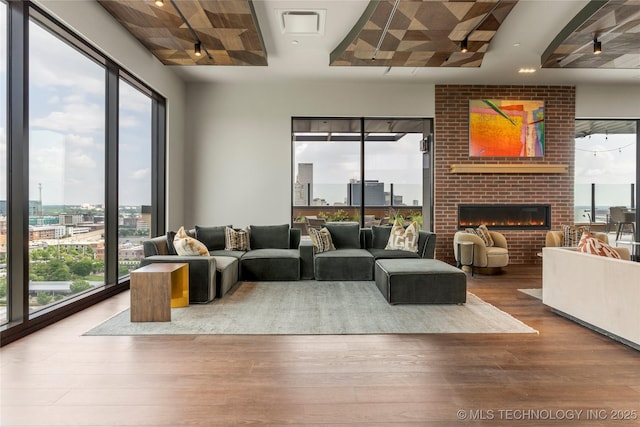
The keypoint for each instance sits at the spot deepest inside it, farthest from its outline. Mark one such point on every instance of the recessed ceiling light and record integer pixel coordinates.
(527, 70)
(516, 44)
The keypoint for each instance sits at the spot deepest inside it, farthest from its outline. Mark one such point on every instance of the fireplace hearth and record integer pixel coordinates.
(513, 217)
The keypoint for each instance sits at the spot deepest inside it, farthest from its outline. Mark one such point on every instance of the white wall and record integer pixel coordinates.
(95, 24)
(608, 101)
(239, 140)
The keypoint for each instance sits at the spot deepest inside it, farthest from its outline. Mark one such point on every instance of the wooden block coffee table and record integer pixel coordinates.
(156, 288)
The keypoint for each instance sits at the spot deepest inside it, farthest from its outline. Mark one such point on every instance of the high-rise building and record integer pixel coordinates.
(373, 193)
(303, 187)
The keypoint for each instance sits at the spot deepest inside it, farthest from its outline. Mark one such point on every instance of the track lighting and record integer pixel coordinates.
(198, 49)
(597, 46)
(159, 2)
(464, 48)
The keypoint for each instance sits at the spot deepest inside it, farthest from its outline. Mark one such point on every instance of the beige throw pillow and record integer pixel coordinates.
(236, 240)
(484, 234)
(403, 239)
(187, 245)
(321, 240)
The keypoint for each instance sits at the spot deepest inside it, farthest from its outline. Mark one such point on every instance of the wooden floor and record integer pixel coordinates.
(566, 375)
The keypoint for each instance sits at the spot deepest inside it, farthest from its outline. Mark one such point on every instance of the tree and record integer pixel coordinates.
(3, 288)
(83, 268)
(43, 298)
(58, 270)
(79, 285)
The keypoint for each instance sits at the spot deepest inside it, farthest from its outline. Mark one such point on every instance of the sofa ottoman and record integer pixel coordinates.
(420, 281)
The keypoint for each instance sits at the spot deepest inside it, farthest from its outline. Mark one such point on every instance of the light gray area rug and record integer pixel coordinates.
(308, 307)
(534, 292)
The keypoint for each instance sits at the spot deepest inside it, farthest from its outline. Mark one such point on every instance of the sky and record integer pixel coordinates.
(66, 138)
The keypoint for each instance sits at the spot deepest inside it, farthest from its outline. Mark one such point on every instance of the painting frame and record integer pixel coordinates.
(506, 128)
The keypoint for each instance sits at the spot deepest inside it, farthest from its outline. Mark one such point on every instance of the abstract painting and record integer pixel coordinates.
(502, 128)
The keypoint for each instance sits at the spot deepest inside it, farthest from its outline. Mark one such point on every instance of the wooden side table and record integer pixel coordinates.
(156, 288)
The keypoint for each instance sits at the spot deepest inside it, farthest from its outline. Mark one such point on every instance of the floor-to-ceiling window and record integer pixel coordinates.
(605, 171)
(66, 169)
(358, 169)
(84, 141)
(3, 163)
(134, 183)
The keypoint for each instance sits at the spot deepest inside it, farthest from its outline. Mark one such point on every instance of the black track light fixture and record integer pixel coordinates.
(597, 46)
(197, 51)
(464, 45)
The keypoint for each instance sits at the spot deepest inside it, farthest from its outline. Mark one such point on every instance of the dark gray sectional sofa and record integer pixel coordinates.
(277, 253)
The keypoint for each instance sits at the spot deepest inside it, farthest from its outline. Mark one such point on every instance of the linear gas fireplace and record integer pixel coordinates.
(515, 217)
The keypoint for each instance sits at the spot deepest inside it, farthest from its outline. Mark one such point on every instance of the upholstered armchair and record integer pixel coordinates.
(486, 259)
(556, 238)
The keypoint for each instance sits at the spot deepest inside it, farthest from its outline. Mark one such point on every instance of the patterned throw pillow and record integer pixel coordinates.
(403, 239)
(590, 245)
(186, 245)
(572, 234)
(321, 240)
(236, 240)
(484, 234)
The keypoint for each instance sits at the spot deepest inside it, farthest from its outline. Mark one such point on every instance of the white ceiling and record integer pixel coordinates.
(520, 42)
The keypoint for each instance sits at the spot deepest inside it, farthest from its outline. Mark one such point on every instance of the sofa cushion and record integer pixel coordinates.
(321, 240)
(403, 239)
(186, 245)
(170, 236)
(222, 252)
(344, 264)
(269, 236)
(345, 235)
(212, 237)
(380, 236)
(270, 264)
(236, 240)
(590, 245)
(392, 254)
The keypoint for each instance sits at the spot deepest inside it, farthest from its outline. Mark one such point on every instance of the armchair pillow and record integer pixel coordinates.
(186, 245)
(269, 236)
(484, 234)
(344, 235)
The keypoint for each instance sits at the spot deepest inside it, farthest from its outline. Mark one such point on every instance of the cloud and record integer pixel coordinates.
(80, 160)
(74, 118)
(140, 174)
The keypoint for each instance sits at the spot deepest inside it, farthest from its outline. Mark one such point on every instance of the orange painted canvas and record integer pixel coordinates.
(506, 128)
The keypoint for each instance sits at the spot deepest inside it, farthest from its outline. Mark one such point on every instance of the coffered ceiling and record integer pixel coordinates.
(392, 39)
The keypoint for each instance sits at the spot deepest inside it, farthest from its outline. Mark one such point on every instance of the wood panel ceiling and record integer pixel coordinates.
(228, 30)
(422, 33)
(616, 24)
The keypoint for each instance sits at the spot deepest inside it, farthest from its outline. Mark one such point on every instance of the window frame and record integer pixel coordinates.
(19, 321)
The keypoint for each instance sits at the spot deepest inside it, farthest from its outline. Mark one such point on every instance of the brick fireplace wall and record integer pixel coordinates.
(451, 146)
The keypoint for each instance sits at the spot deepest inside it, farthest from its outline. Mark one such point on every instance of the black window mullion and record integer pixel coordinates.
(111, 171)
(158, 166)
(18, 162)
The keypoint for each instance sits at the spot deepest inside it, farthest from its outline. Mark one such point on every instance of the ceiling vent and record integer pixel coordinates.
(302, 22)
